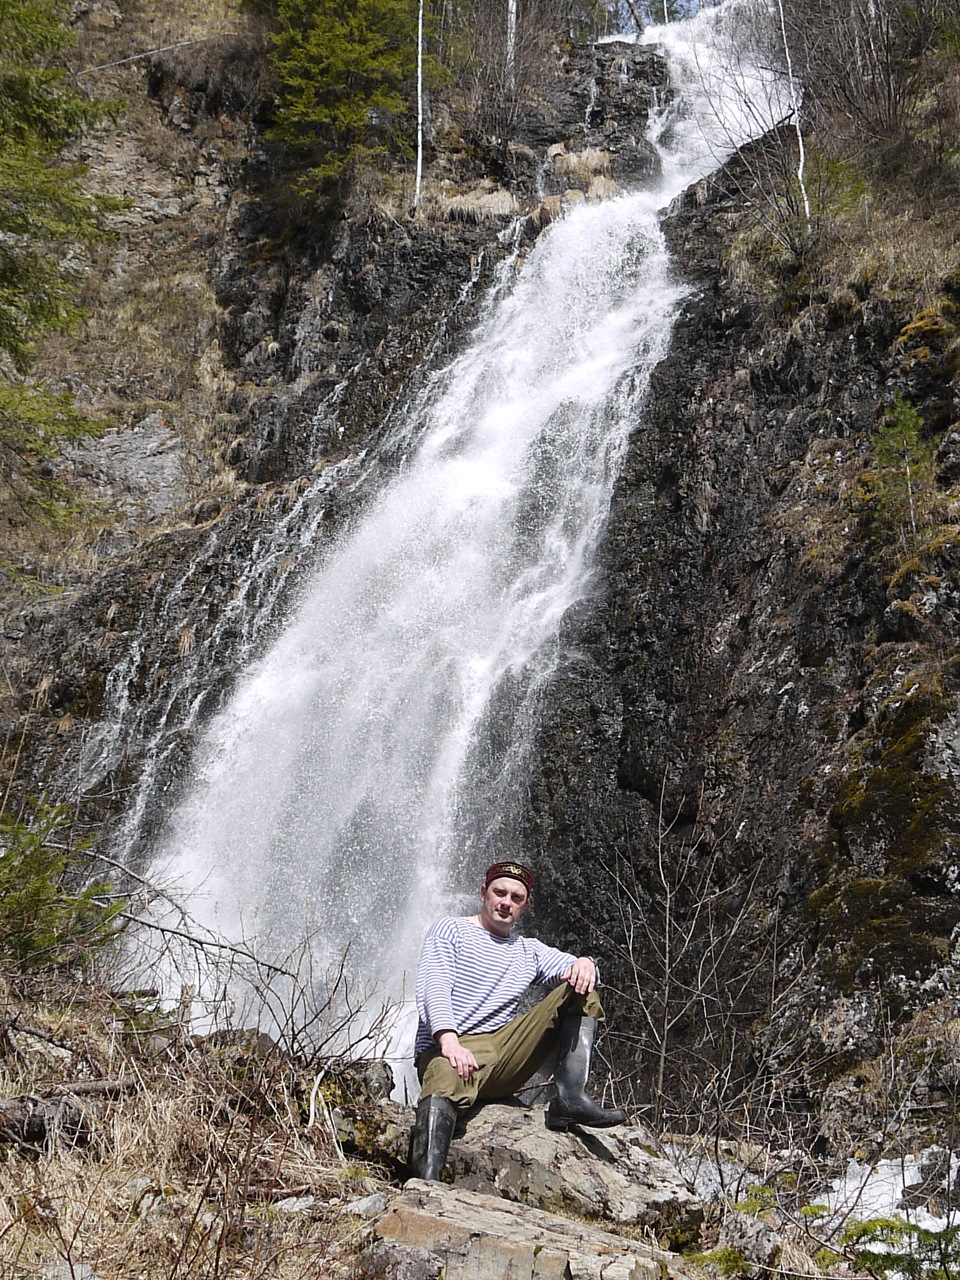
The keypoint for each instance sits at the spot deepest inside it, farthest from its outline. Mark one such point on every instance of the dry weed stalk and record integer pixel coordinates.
(193, 1167)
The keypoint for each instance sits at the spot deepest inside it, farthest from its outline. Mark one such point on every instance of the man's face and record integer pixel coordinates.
(502, 903)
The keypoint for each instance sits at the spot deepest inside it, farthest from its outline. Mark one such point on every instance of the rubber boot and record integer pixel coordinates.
(435, 1123)
(573, 1105)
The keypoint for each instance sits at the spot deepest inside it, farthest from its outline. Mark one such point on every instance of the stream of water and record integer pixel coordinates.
(342, 794)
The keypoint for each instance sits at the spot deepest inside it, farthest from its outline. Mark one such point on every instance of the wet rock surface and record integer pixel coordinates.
(601, 102)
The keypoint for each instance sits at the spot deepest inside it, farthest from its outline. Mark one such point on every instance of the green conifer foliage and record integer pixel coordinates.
(43, 211)
(344, 68)
(44, 923)
(42, 203)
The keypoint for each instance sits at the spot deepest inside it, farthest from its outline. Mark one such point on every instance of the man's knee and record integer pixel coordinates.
(592, 1007)
(569, 1001)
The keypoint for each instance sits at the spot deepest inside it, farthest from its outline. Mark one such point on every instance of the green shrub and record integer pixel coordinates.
(894, 1247)
(729, 1262)
(901, 487)
(44, 922)
(35, 425)
(45, 214)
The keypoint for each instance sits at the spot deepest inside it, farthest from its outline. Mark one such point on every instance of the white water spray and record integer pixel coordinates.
(345, 789)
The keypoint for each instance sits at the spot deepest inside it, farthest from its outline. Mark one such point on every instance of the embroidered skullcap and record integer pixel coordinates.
(512, 870)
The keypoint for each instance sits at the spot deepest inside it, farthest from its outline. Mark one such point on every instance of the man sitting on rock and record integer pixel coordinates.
(472, 1047)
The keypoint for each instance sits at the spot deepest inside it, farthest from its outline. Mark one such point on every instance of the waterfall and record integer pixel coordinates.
(359, 776)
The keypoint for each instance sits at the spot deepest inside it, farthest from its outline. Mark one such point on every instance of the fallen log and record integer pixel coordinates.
(39, 1122)
(100, 1088)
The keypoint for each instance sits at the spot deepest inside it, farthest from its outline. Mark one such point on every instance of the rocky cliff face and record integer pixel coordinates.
(747, 777)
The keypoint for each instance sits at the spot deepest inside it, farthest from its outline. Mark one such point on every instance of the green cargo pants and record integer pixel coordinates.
(509, 1056)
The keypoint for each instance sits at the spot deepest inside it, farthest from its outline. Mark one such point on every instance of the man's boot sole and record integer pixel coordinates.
(560, 1124)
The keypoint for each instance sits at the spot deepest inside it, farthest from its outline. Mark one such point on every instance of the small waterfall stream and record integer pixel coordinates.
(343, 792)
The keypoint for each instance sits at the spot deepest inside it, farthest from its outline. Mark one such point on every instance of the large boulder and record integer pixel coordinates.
(611, 1174)
(507, 1151)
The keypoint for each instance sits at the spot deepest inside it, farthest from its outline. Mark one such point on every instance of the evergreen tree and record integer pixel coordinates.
(343, 67)
(43, 208)
(48, 924)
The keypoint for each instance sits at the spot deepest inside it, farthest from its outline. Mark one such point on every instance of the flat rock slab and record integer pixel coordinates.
(143, 469)
(609, 1174)
(473, 1236)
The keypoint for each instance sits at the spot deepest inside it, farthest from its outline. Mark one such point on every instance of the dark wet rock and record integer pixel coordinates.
(756, 703)
(228, 75)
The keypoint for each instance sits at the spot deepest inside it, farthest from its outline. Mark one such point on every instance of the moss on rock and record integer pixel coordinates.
(883, 905)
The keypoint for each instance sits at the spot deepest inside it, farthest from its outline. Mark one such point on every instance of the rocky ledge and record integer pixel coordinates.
(526, 1201)
(612, 1175)
(431, 1230)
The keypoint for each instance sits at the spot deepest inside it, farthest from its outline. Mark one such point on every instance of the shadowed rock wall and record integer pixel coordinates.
(745, 796)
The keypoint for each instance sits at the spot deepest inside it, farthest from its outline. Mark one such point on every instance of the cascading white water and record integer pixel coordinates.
(343, 792)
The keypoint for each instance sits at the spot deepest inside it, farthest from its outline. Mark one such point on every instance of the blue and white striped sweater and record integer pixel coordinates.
(471, 981)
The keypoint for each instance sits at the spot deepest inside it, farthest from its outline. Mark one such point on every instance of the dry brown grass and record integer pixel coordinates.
(883, 209)
(192, 1171)
(582, 167)
(878, 247)
(153, 24)
(149, 344)
(192, 19)
(890, 250)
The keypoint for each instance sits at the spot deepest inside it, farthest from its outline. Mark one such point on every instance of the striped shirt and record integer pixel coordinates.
(471, 980)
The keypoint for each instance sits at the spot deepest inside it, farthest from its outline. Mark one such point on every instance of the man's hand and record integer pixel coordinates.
(582, 975)
(461, 1059)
